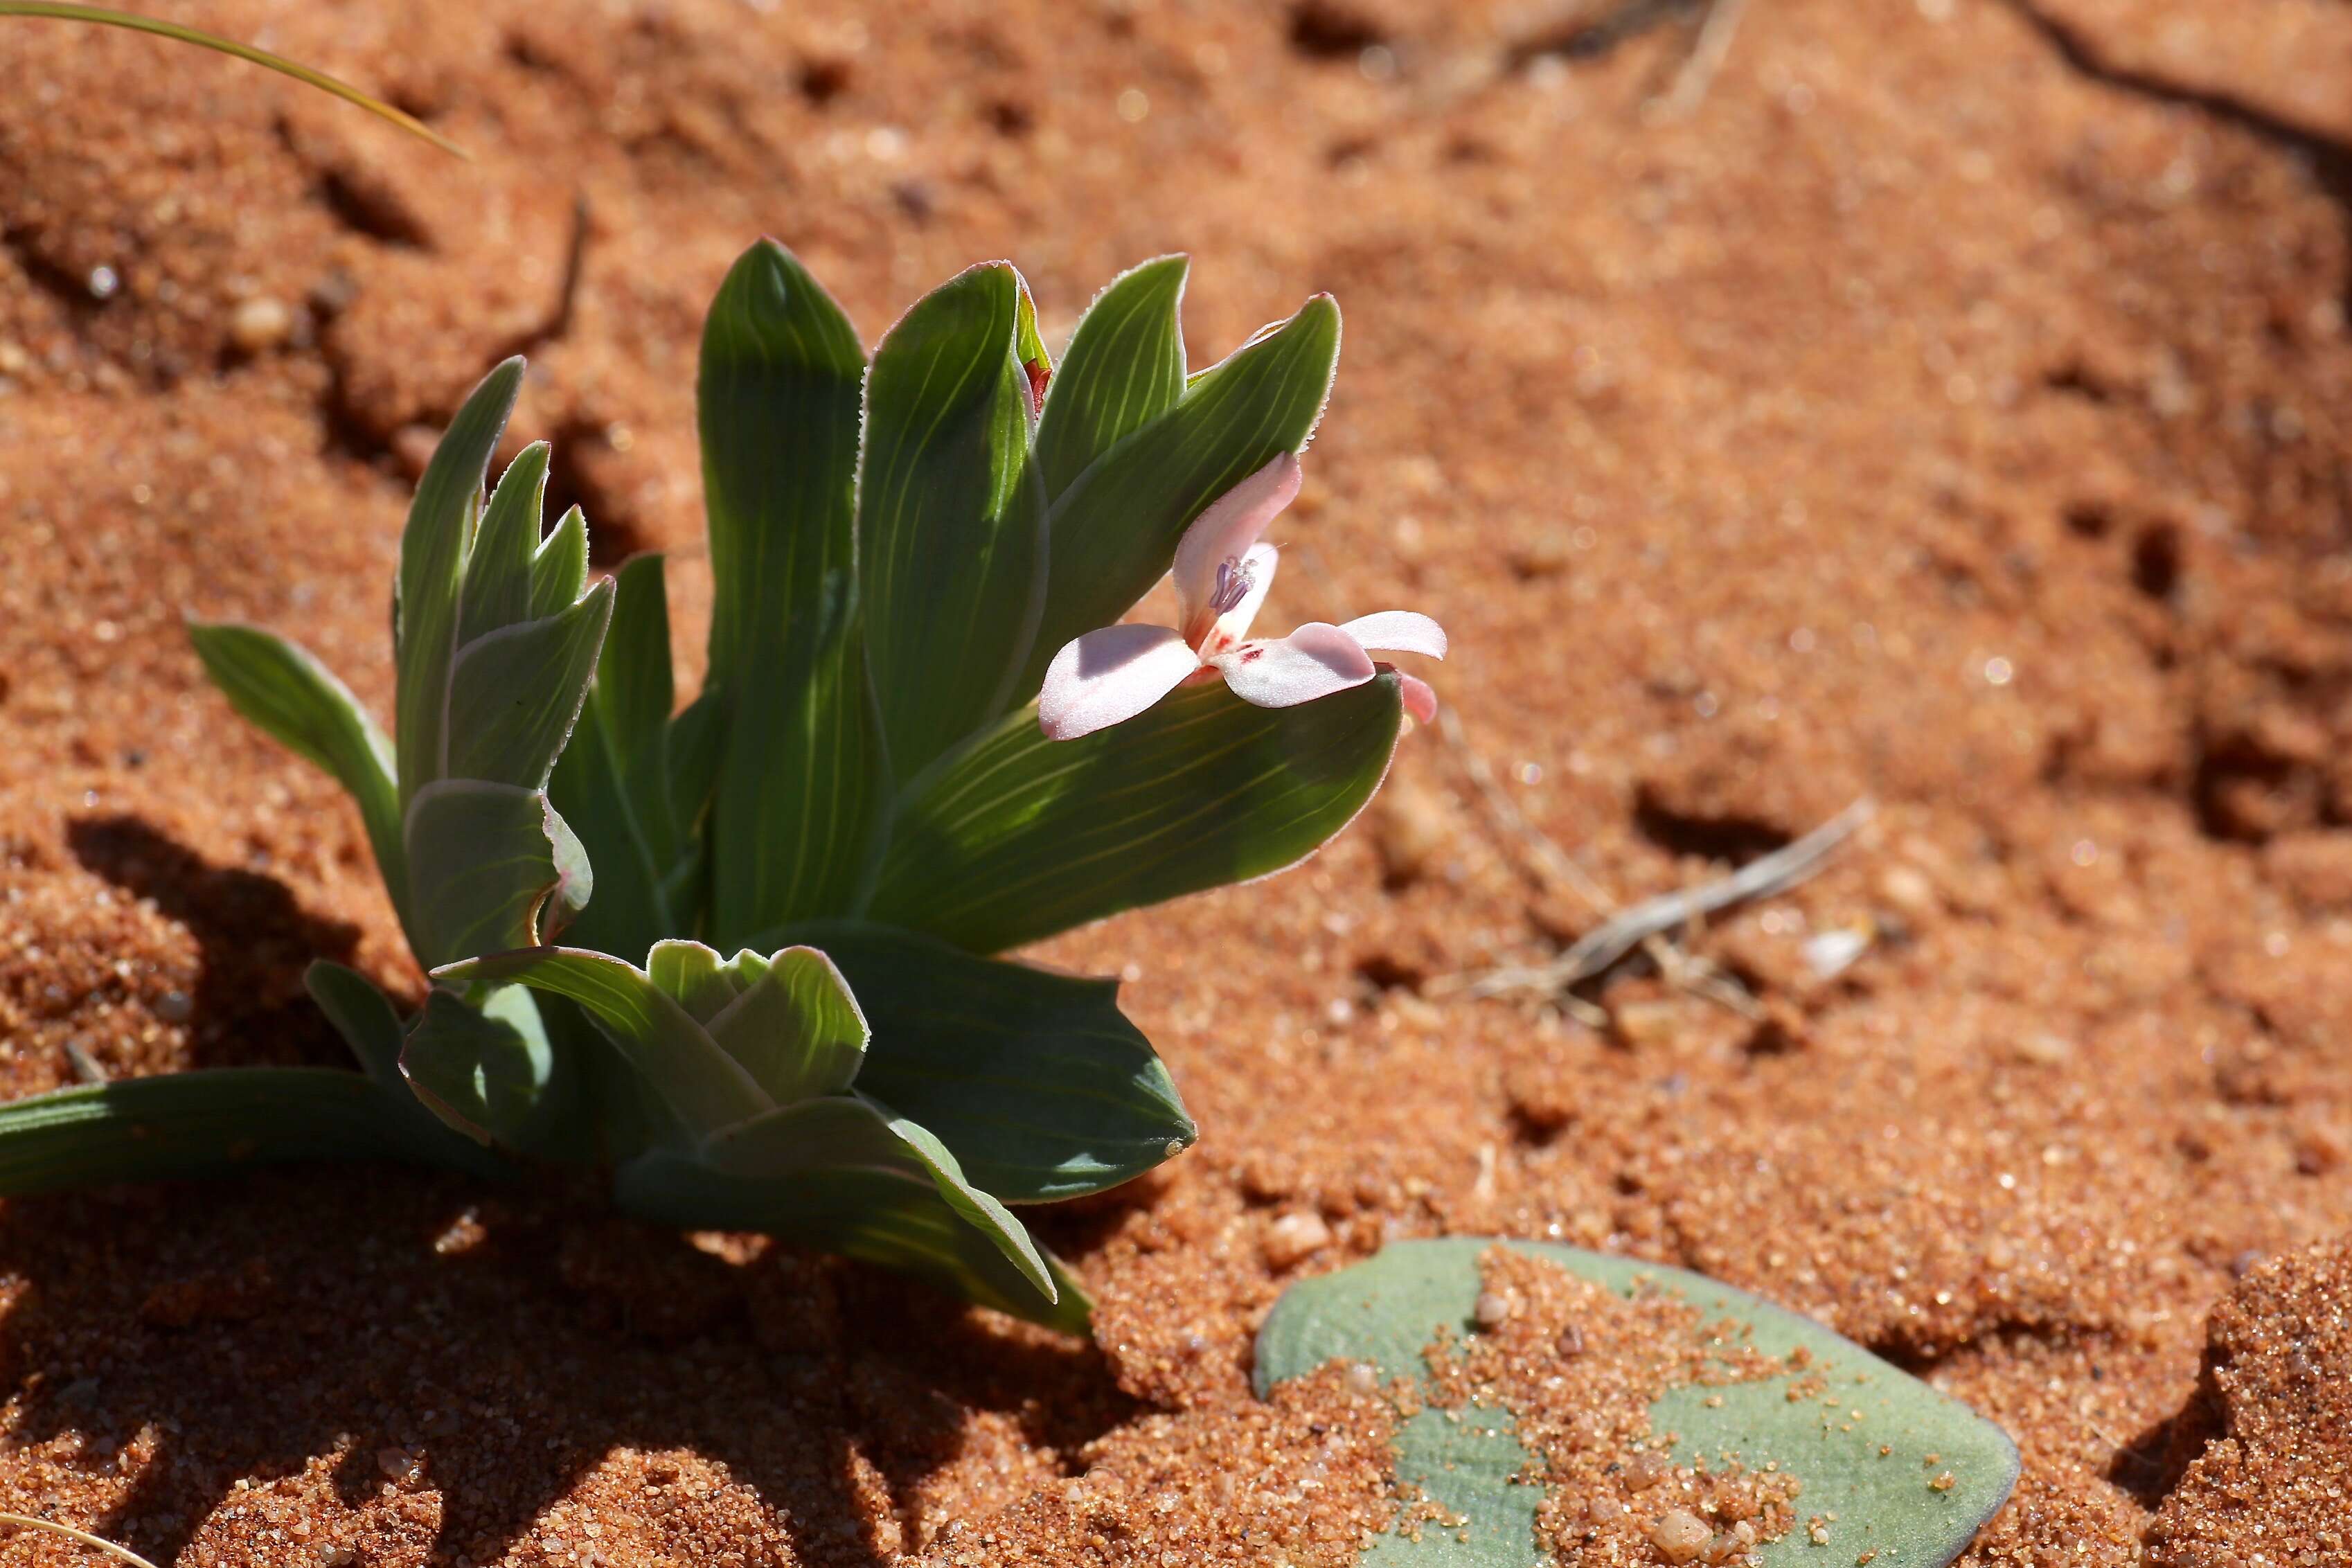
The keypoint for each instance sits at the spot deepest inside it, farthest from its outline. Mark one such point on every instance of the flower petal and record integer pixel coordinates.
(1420, 697)
(1226, 530)
(1400, 631)
(1314, 661)
(1231, 627)
(1110, 675)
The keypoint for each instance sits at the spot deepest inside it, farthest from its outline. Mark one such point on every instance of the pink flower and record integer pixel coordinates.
(1221, 575)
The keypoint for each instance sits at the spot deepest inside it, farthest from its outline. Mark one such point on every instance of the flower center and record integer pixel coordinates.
(1235, 578)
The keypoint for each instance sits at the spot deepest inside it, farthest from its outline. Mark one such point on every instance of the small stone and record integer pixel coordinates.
(1943, 1483)
(1294, 1237)
(1908, 888)
(1680, 1535)
(333, 1555)
(13, 359)
(1495, 1309)
(1604, 1509)
(1363, 1377)
(393, 1463)
(2043, 1049)
(1646, 1470)
(1570, 1344)
(260, 323)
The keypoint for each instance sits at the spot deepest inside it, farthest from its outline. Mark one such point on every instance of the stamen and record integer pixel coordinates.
(1234, 579)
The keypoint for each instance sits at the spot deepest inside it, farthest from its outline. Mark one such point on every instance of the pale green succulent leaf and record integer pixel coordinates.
(496, 592)
(784, 742)
(559, 567)
(491, 866)
(441, 522)
(703, 1086)
(297, 702)
(693, 975)
(1125, 368)
(1024, 837)
(363, 1014)
(487, 1069)
(1113, 530)
(1037, 1081)
(951, 518)
(216, 1122)
(851, 1133)
(796, 1027)
(1869, 1472)
(515, 693)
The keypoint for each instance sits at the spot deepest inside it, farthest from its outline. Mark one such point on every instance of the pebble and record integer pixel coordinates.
(260, 323)
(1646, 1470)
(334, 1556)
(1680, 1535)
(1295, 1236)
(1495, 1309)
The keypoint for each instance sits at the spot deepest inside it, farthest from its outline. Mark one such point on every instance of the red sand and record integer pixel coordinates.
(1952, 406)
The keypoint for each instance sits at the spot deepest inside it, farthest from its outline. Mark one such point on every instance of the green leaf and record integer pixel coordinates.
(363, 1014)
(216, 1122)
(1037, 1081)
(62, 11)
(795, 1028)
(787, 721)
(851, 1131)
(694, 976)
(951, 545)
(1124, 370)
(497, 588)
(431, 566)
(559, 568)
(491, 865)
(1867, 1472)
(704, 1088)
(297, 702)
(1026, 836)
(612, 780)
(515, 693)
(488, 1072)
(1114, 529)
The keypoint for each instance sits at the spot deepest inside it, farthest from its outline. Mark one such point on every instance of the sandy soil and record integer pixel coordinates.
(1950, 405)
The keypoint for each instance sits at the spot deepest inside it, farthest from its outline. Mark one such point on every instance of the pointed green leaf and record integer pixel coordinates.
(298, 702)
(363, 1014)
(431, 560)
(514, 693)
(1113, 531)
(884, 1214)
(559, 567)
(1026, 836)
(702, 1085)
(216, 1122)
(950, 549)
(1037, 1081)
(497, 588)
(787, 726)
(1869, 1471)
(796, 1027)
(612, 780)
(848, 1132)
(1124, 370)
(490, 865)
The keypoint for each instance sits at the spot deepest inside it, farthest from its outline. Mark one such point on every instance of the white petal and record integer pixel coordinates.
(1400, 631)
(1226, 530)
(1314, 661)
(1233, 626)
(1110, 675)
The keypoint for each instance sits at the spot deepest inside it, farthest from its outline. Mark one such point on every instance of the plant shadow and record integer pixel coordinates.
(253, 939)
(299, 1345)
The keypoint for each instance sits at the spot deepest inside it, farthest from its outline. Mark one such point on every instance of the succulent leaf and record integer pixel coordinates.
(1125, 368)
(796, 1027)
(515, 692)
(497, 590)
(491, 866)
(213, 1122)
(1037, 1081)
(1024, 837)
(787, 696)
(1113, 530)
(363, 1014)
(298, 702)
(951, 518)
(559, 567)
(703, 1086)
(488, 1070)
